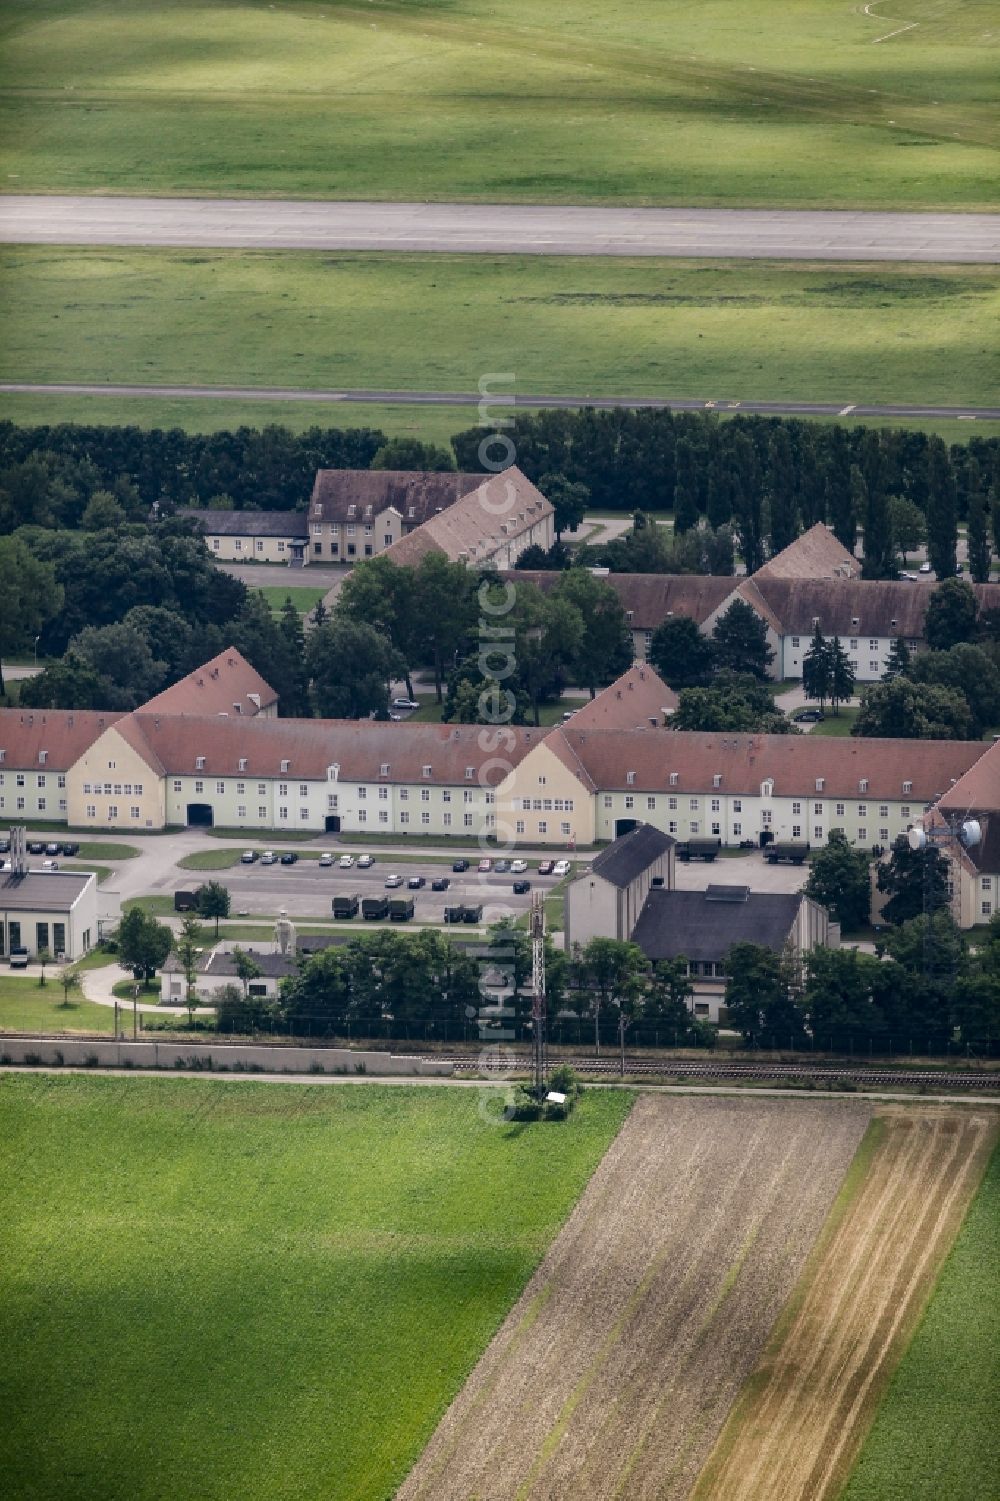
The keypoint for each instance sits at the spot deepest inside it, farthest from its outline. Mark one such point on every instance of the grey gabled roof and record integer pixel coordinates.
(692, 924)
(630, 855)
(250, 523)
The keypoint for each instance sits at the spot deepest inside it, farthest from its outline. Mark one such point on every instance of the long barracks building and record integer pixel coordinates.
(209, 752)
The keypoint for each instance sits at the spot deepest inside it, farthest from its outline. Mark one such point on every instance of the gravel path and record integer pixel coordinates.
(615, 1371)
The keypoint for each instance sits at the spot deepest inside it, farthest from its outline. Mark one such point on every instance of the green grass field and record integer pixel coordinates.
(836, 724)
(26, 1006)
(586, 326)
(730, 101)
(213, 1290)
(935, 1434)
(303, 599)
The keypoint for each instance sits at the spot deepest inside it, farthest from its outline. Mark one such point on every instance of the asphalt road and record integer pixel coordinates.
(790, 407)
(540, 229)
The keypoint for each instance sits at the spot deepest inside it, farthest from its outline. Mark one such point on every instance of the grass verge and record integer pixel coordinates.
(26, 1006)
(568, 326)
(358, 1248)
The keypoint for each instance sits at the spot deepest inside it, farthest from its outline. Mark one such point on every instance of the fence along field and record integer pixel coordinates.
(615, 1371)
(800, 1423)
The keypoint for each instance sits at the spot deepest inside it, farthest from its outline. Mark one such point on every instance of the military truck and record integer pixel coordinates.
(346, 906)
(698, 849)
(374, 908)
(787, 852)
(401, 908)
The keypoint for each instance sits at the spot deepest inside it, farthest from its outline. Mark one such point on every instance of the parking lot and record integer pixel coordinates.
(307, 889)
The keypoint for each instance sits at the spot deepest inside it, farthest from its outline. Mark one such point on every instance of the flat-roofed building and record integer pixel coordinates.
(54, 910)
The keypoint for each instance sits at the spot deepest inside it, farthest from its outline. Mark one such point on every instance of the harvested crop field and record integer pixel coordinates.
(613, 1374)
(798, 1427)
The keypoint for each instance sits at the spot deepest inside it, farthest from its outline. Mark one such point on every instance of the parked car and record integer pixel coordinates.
(36, 848)
(391, 882)
(4, 846)
(485, 864)
(808, 716)
(925, 568)
(561, 868)
(185, 901)
(415, 883)
(502, 867)
(53, 849)
(520, 887)
(345, 862)
(289, 858)
(460, 865)
(50, 864)
(518, 867)
(405, 703)
(326, 859)
(19, 957)
(545, 867)
(365, 862)
(248, 857)
(440, 883)
(69, 849)
(269, 858)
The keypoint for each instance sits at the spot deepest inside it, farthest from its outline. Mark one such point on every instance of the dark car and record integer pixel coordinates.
(289, 857)
(416, 882)
(36, 848)
(53, 849)
(545, 867)
(520, 887)
(440, 883)
(460, 865)
(71, 849)
(808, 716)
(502, 867)
(4, 846)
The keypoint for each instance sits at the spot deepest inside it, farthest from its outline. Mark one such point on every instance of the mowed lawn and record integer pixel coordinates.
(936, 1433)
(219, 1290)
(575, 326)
(26, 1006)
(727, 101)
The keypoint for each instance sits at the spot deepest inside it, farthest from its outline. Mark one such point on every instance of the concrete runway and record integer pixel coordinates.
(790, 407)
(540, 229)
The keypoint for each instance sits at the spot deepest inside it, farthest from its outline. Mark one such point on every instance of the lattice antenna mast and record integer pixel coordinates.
(536, 929)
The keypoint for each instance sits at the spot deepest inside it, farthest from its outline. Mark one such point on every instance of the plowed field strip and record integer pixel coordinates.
(615, 1371)
(807, 1408)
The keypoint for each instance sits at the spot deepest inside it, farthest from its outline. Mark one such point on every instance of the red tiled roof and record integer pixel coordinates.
(223, 683)
(630, 702)
(63, 734)
(405, 490)
(501, 507)
(815, 555)
(649, 598)
(359, 747)
(792, 762)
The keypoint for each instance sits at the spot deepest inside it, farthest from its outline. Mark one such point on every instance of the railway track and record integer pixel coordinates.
(495, 1062)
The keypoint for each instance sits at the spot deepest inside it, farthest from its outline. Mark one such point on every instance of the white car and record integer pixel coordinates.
(925, 568)
(561, 868)
(365, 862)
(518, 867)
(269, 858)
(405, 703)
(326, 858)
(391, 882)
(345, 862)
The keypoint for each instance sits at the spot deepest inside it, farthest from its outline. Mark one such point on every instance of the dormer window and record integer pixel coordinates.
(470, 772)
(368, 512)
(425, 771)
(43, 756)
(893, 624)
(717, 779)
(199, 763)
(383, 770)
(333, 772)
(352, 511)
(628, 616)
(243, 763)
(820, 783)
(907, 787)
(863, 785)
(673, 778)
(285, 765)
(630, 777)
(855, 622)
(767, 788)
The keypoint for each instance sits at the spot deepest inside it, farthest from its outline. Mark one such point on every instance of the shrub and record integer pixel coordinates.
(91, 1061)
(316, 1067)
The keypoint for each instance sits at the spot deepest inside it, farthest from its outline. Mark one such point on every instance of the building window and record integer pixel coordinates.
(796, 831)
(796, 809)
(220, 788)
(607, 801)
(519, 826)
(283, 813)
(854, 646)
(241, 811)
(693, 804)
(20, 805)
(840, 810)
(333, 800)
(564, 829)
(425, 795)
(862, 835)
(737, 830)
(425, 818)
(904, 812)
(261, 788)
(383, 816)
(672, 827)
(543, 827)
(362, 815)
(303, 813)
(651, 804)
(883, 811)
(282, 789)
(694, 826)
(818, 831)
(883, 834)
(986, 909)
(862, 810)
(261, 813)
(91, 811)
(629, 803)
(716, 829)
(404, 818)
(113, 811)
(737, 805)
(446, 795)
(404, 793)
(672, 804)
(60, 782)
(765, 816)
(41, 805)
(716, 805)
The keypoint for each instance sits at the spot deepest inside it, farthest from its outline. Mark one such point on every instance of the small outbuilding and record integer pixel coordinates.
(51, 910)
(606, 900)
